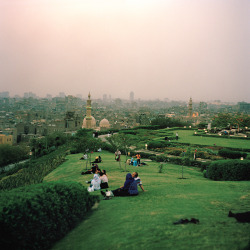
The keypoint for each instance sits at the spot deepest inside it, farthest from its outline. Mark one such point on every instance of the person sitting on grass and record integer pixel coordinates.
(98, 159)
(95, 183)
(127, 189)
(138, 180)
(94, 169)
(104, 179)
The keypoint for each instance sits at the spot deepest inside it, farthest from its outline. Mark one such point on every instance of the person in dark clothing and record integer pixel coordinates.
(94, 169)
(123, 190)
(98, 159)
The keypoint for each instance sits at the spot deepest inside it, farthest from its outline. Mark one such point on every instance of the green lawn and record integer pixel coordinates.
(186, 136)
(146, 221)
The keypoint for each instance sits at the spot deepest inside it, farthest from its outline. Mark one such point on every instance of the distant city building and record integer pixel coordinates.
(104, 124)
(49, 97)
(89, 121)
(131, 96)
(62, 94)
(105, 98)
(190, 107)
(4, 94)
(29, 94)
(6, 139)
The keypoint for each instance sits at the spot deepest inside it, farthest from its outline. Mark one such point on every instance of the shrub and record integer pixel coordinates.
(205, 173)
(32, 172)
(231, 154)
(229, 170)
(12, 154)
(35, 217)
(176, 152)
(158, 144)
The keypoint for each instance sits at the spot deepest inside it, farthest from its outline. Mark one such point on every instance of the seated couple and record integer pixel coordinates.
(94, 169)
(98, 159)
(98, 182)
(129, 188)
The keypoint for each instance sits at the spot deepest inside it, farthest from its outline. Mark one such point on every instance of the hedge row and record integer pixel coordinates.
(175, 160)
(36, 216)
(222, 136)
(158, 144)
(31, 174)
(231, 154)
(229, 170)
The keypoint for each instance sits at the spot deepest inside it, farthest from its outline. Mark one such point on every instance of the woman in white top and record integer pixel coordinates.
(104, 179)
(95, 183)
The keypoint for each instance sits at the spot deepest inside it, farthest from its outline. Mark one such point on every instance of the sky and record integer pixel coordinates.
(158, 49)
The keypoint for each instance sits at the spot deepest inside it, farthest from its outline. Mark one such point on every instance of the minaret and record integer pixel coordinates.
(190, 108)
(88, 113)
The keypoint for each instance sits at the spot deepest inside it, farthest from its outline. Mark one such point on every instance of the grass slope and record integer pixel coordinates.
(146, 221)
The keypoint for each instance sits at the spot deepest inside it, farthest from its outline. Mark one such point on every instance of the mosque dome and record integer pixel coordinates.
(104, 123)
(93, 122)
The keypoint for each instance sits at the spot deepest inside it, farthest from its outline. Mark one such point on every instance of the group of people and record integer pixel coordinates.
(99, 181)
(129, 187)
(135, 160)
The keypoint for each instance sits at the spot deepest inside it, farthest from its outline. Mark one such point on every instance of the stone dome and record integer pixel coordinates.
(93, 122)
(104, 123)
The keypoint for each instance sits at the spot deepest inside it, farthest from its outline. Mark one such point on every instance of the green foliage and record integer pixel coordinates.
(83, 141)
(31, 172)
(12, 154)
(120, 141)
(158, 144)
(47, 144)
(231, 154)
(229, 170)
(168, 122)
(35, 217)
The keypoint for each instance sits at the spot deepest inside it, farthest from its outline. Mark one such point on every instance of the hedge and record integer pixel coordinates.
(32, 172)
(158, 144)
(229, 170)
(36, 216)
(227, 153)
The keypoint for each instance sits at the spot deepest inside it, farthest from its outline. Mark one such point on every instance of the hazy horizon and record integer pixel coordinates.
(158, 49)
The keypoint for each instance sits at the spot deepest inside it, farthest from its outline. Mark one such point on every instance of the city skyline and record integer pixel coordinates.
(157, 49)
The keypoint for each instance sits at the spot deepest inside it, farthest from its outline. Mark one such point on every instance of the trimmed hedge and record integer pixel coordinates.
(231, 154)
(32, 172)
(158, 144)
(229, 170)
(36, 216)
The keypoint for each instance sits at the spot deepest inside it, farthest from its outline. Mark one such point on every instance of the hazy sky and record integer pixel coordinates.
(173, 49)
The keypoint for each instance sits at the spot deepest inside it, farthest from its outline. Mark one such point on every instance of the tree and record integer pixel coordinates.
(85, 143)
(12, 154)
(122, 142)
(221, 120)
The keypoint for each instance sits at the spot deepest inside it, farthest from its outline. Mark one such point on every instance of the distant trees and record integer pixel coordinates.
(83, 141)
(168, 122)
(12, 154)
(225, 120)
(122, 142)
(46, 144)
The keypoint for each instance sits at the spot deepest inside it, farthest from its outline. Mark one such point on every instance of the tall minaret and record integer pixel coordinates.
(190, 107)
(88, 113)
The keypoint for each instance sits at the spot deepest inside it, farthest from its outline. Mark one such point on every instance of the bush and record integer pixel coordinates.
(231, 154)
(12, 154)
(32, 172)
(35, 217)
(158, 144)
(229, 170)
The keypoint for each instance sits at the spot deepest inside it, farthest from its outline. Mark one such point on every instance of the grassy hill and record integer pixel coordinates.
(146, 221)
